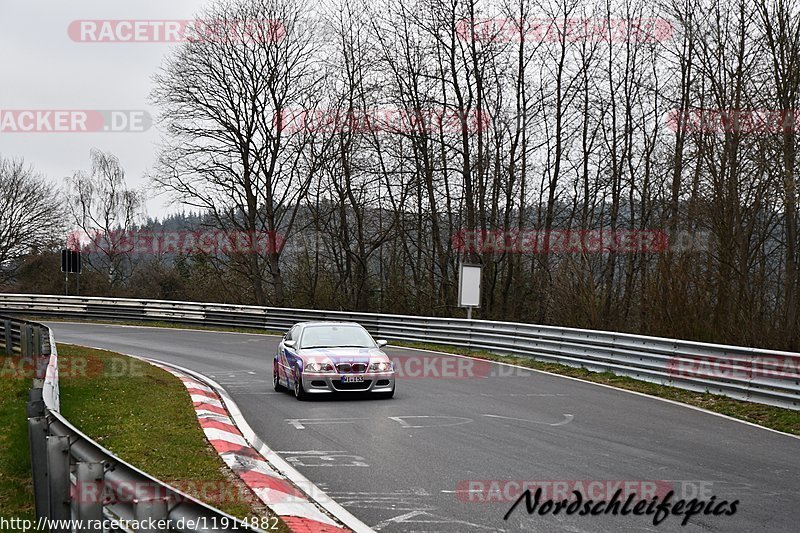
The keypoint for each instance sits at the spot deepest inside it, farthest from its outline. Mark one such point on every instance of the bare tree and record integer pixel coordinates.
(780, 22)
(230, 105)
(106, 210)
(31, 217)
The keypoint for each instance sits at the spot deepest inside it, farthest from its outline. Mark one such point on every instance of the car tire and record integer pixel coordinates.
(276, 383)
(299, 391)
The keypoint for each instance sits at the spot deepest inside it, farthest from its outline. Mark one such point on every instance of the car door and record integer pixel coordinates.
(287, 355)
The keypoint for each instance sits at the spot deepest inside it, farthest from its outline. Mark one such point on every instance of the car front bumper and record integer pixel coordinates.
(314, 383)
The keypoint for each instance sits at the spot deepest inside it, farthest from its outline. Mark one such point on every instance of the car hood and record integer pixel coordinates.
(343, 355)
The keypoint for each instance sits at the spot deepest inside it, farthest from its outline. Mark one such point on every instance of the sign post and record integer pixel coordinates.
(469, 287)
(70, 264)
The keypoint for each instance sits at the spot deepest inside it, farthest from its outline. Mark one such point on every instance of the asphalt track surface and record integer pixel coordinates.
(405, 464)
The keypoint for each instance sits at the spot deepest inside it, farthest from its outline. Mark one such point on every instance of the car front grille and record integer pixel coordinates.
(354, 368)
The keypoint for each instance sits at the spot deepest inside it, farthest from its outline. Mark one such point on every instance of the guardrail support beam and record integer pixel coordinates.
(9, 338)
(36, 341)
(24, 340)
(35, 406)
(151, 513)
(37, 438)
(46, 350)
(58, 480)
(88, 495)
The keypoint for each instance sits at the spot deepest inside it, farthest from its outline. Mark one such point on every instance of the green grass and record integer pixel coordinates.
(16, 488)
(786, 420)
(145, 416)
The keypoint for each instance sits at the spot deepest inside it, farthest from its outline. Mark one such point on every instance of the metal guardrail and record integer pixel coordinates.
(764, 376)
(76, 479)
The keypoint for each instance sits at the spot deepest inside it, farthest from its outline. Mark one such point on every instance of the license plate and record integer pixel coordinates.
(352, 379)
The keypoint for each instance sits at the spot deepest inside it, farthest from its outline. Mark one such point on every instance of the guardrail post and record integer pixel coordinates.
(58, 481)
(24, 340)
(88, 495)
(36, 340)
(35, 406)
(9, 337)
(37, 438)
(148, 514)
(45, 333)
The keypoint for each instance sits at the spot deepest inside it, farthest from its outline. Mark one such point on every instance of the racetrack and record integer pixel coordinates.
(406, 464)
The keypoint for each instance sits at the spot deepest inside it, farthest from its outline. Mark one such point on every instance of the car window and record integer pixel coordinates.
(336, 336)
(291, 335)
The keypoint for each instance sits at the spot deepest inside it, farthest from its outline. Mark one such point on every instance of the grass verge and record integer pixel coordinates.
(16, 488)
(145, 416)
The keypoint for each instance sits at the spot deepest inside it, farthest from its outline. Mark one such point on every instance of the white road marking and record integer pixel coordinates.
(525, 394)
(415, 517)
(458, 421)
(301, 423)
(407, 492)
(567, 419)
(311, 452)
(326, 460)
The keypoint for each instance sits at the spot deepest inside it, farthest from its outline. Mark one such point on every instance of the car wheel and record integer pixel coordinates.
(299, 392)
(276, 382)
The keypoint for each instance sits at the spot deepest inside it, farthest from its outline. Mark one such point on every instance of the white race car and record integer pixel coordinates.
(328, 357)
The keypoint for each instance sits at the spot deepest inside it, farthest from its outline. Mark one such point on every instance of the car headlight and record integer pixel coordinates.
(319, 367)
(380, 366)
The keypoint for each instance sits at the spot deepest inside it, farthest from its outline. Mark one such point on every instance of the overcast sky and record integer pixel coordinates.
(42, 68)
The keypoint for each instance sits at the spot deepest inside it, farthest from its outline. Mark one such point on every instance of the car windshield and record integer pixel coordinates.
(336, 337)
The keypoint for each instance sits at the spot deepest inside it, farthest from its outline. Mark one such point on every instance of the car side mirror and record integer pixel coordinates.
(289, 344)
(381, 343)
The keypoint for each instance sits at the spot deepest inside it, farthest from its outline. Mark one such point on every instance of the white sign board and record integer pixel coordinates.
(469, 286)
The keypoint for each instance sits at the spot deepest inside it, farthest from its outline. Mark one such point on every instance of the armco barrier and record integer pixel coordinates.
(74, 478)
(764, 376)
